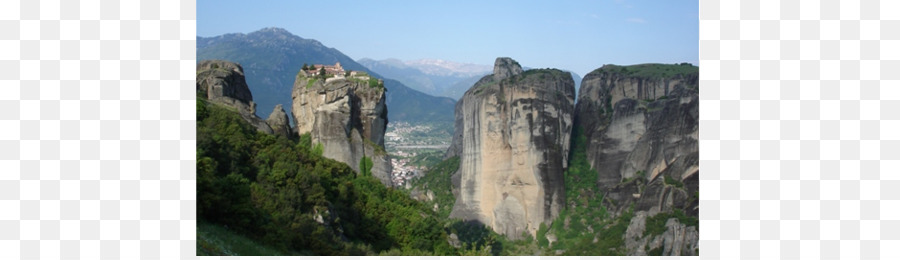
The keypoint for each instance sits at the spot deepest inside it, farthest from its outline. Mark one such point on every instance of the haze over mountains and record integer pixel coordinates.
(431, 76)
(434, 76)
(271, 58)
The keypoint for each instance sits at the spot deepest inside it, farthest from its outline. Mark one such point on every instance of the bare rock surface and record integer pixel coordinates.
(278, 121)
(347, 117)
(677, 239)
(223, 83)
(642, 125)
(512, 136)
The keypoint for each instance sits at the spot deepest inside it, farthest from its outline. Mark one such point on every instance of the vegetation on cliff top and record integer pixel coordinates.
(543, 73)
(362, 78)
(651, 70)
(371, 82)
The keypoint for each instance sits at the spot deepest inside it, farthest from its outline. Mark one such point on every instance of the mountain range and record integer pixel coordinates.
(271, 58)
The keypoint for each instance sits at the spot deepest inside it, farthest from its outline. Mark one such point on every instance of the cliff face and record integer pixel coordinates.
(223, 83)
(512, 136)
(641, 123)
(346, 116)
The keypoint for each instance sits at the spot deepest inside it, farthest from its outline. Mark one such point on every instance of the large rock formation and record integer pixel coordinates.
(641, 123)
(676, 239)
(279, 122)
(505, 68)
(223, 83)
(512, 136)
(347, 116)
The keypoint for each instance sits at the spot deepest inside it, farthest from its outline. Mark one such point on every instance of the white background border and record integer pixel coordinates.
(799, 129)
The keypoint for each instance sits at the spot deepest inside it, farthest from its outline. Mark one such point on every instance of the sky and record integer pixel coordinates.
(578, 36)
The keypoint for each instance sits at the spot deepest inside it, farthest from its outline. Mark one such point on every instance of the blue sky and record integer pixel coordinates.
(574, 35)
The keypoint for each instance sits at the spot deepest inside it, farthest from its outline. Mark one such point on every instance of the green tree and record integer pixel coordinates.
(318, 150)
(365, 166)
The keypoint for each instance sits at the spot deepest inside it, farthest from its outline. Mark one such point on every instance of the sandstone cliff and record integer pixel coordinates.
(348, 117)
(641, 123)
(223, 83)
(512, 136)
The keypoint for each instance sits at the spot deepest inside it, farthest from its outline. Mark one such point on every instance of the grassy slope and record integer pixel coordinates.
(216, 240)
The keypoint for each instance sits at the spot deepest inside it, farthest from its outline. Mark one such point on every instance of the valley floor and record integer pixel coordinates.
(414, 147)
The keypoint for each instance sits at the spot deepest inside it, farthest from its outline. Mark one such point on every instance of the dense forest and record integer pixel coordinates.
(283, 195)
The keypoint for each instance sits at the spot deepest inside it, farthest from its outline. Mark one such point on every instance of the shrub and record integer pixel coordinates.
(542, 236)
(365, 166)
(655, 252)
(671, 181)
(656, 224)
(318, 150)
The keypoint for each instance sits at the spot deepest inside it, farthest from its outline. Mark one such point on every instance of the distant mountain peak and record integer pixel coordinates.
(381, 65)
(430, 61)
(437, 67)
(277, 30)
(273, 31)
(445, 67)
(278, 33)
